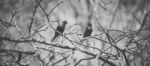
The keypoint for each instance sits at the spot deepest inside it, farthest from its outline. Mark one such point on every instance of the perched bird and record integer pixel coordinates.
(60, 28)
(88, 30)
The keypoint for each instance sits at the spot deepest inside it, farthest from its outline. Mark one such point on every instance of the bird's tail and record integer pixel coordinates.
(53, 38)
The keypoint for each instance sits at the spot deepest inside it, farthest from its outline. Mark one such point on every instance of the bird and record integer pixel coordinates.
(59, 29)
(88, 30)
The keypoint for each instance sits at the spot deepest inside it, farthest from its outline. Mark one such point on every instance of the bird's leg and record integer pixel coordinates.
(88, 43)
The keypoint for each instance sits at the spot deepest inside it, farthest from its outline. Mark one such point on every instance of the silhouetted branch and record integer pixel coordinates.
(83, 60)
(55, 7)
(59, 46)
(60, 60)
(33, 15)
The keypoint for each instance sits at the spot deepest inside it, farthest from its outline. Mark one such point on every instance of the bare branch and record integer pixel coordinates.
(55, 7)
(83, 60)
(60, 60)
(33, 15)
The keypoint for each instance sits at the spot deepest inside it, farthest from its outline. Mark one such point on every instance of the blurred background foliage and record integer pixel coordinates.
(124, 15)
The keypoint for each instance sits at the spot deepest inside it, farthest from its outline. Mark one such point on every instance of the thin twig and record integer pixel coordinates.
(55, 7)
(33, 15)
(60, 60)
(83, 60)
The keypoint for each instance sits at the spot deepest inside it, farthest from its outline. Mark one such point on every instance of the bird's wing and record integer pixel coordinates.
(88, 31)
(56, 33)
(61, 29)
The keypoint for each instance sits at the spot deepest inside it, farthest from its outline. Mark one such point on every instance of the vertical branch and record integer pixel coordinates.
(33, 15)
(125, 57)
(19, 58)
(143, 25)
